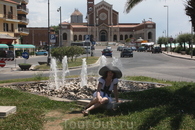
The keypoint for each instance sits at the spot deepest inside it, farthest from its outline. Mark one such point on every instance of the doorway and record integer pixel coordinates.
(103, 35)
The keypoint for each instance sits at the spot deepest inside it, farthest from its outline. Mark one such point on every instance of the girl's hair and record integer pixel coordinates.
(105, 75)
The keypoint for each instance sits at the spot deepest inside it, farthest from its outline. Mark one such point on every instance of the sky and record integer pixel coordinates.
(178, 21)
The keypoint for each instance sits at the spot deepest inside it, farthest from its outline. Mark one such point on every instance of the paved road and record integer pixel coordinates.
(159, 66)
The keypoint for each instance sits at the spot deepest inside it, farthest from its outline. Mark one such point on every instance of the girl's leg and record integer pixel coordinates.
(97, 104)
(93, 101)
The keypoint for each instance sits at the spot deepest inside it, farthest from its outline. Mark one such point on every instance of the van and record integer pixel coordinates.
(6, 54)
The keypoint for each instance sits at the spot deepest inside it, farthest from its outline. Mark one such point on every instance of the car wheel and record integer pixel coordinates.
(45, 54)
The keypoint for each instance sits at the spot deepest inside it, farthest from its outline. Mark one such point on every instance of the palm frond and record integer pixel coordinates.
(130, 4)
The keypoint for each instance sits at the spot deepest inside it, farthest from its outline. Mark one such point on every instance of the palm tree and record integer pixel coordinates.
(130, 4)
(190, 11)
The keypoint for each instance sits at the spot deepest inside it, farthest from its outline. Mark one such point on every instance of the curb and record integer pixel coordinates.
(165, 53)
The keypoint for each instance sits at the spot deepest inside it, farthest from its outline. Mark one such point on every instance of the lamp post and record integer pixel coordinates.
(48, 57)
(60, 34)
(144, 28)
(87, 34)
(150, 19)
(192, 39)
(97, 18)
(167, 23)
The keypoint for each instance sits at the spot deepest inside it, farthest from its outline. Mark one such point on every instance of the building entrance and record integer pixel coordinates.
(103, 36)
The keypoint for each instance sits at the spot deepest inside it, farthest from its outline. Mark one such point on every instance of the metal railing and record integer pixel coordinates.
(10, 16)
(25, 30)
(23, 8)
(23, 19)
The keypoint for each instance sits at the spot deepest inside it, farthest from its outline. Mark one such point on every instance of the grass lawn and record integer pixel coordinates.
(167, 108)
(78, 62)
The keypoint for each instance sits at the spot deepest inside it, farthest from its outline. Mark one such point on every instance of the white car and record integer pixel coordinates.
(109, 47)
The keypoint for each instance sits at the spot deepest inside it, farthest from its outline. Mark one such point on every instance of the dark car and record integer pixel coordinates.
(107, 52)
(127, 52)
(141, 49)
(6, 54)
(134, 48)
(119, 48)
(156, 49)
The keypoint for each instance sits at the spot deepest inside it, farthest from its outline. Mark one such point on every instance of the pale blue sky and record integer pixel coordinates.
(178, 20)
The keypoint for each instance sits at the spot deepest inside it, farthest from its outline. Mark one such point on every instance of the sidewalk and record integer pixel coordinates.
(179, 55)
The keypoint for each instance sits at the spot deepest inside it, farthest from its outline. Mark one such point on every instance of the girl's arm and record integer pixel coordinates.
(98, 91)
(116, 92)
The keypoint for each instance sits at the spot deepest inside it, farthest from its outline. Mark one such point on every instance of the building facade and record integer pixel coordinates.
(38, 36)
(103, 26)
(13, 21)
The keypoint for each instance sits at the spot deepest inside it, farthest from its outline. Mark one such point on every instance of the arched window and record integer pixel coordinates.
(131, 36)
(80, 37)
(149, 35)
(121, 37)
(115, 38)
(75, 37)
(126, 36)
(64, 36)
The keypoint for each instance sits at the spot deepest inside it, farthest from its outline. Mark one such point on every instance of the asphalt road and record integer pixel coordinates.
(158, 66)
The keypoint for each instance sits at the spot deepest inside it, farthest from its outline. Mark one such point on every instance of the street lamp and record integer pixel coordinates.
(192, 28)
(60, 34)
(167, 23)
(97, 18)
(48, 56)
(86, 18)
(150, 19)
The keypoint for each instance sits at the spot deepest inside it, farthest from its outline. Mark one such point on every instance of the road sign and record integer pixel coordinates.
(52, 38)
(87, 38)
(2, 63)
(25, 55)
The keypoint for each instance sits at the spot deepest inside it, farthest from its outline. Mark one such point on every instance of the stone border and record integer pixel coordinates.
(73, 91)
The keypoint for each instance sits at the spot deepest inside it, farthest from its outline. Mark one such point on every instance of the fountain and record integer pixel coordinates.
(53, 77)
(84, 73)
(117, 62)
(102, 62)
(64, 70)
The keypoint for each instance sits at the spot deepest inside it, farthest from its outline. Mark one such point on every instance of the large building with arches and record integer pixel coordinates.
(103, 26)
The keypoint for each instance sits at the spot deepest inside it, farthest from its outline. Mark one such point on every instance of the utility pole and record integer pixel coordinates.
(48, 57)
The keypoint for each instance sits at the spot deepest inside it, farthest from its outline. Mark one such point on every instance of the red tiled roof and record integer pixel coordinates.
(11, 1)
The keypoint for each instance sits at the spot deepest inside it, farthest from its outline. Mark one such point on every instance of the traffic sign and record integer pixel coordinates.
(87, 38)
(25, 55)
(2, 63)
(52, 38)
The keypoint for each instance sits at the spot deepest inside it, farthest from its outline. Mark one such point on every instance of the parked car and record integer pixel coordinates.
(109, 47)
(156, 49)
(141, 48)
(42, 52)
(86, 51)
(119, 48)
(6, 54)
(126, 52)
(107, 52)
(134, 48)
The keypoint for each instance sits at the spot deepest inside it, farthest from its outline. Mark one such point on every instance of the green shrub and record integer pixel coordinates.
(178, 49)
